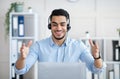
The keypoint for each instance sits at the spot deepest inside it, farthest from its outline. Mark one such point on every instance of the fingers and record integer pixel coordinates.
(29, 43)
(93, 43)
(23, 47)
(96, 45)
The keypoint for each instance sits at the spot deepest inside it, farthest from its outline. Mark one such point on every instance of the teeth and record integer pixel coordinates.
(58, 32)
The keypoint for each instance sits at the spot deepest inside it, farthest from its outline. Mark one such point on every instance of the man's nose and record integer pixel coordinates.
(59, 27)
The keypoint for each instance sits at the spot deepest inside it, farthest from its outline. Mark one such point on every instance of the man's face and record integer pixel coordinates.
(58, 27)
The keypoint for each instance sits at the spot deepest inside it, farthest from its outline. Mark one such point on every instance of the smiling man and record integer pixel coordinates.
(59, 47)
(58, 29)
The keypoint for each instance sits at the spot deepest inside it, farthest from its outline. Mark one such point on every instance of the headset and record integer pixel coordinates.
(68, 25)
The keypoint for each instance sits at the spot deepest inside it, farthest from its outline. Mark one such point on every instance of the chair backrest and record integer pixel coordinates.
(61, 71)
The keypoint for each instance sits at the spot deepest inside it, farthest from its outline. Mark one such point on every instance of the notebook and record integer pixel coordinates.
(61, 71)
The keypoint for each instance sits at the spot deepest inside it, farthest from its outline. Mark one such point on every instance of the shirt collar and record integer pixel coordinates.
(51, 42)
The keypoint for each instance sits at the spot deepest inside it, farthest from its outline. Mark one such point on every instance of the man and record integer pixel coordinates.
(58, 47)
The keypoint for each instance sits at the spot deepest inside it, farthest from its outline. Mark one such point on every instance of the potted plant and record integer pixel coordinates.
(17, 7)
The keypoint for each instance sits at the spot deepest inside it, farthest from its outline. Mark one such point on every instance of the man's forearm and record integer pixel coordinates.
(98, 63)
(20, 63)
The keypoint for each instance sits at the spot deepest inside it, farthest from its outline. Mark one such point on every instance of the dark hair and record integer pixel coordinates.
(59, 12)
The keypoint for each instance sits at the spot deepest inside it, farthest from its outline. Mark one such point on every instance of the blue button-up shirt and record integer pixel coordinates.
(70, 51)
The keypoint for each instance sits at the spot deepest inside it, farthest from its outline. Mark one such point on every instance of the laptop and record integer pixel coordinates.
(61, 70)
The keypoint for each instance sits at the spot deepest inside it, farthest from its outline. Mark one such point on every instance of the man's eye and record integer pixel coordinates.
(54, 24)
(62, 24)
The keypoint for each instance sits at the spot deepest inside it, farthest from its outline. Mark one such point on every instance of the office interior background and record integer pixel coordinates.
(100, 18)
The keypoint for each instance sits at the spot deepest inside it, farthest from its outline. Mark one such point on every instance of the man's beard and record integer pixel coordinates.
(59, 38)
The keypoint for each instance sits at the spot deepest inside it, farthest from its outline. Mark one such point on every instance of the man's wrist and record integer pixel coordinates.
(99, 57)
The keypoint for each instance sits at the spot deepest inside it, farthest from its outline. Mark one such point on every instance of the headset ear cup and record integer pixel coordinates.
(68, 27)
(49, 26)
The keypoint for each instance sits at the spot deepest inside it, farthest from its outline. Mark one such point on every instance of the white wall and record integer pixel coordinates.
(95, 16)
(99, 17)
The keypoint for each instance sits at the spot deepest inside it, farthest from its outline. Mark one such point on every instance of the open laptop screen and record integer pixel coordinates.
(61, 71)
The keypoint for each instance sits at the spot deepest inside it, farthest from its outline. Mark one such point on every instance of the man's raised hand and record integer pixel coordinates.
(94, 48)
(24, 50)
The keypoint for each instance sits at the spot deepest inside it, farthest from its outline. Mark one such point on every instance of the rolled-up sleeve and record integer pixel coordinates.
(21, 71)
(99, 70)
